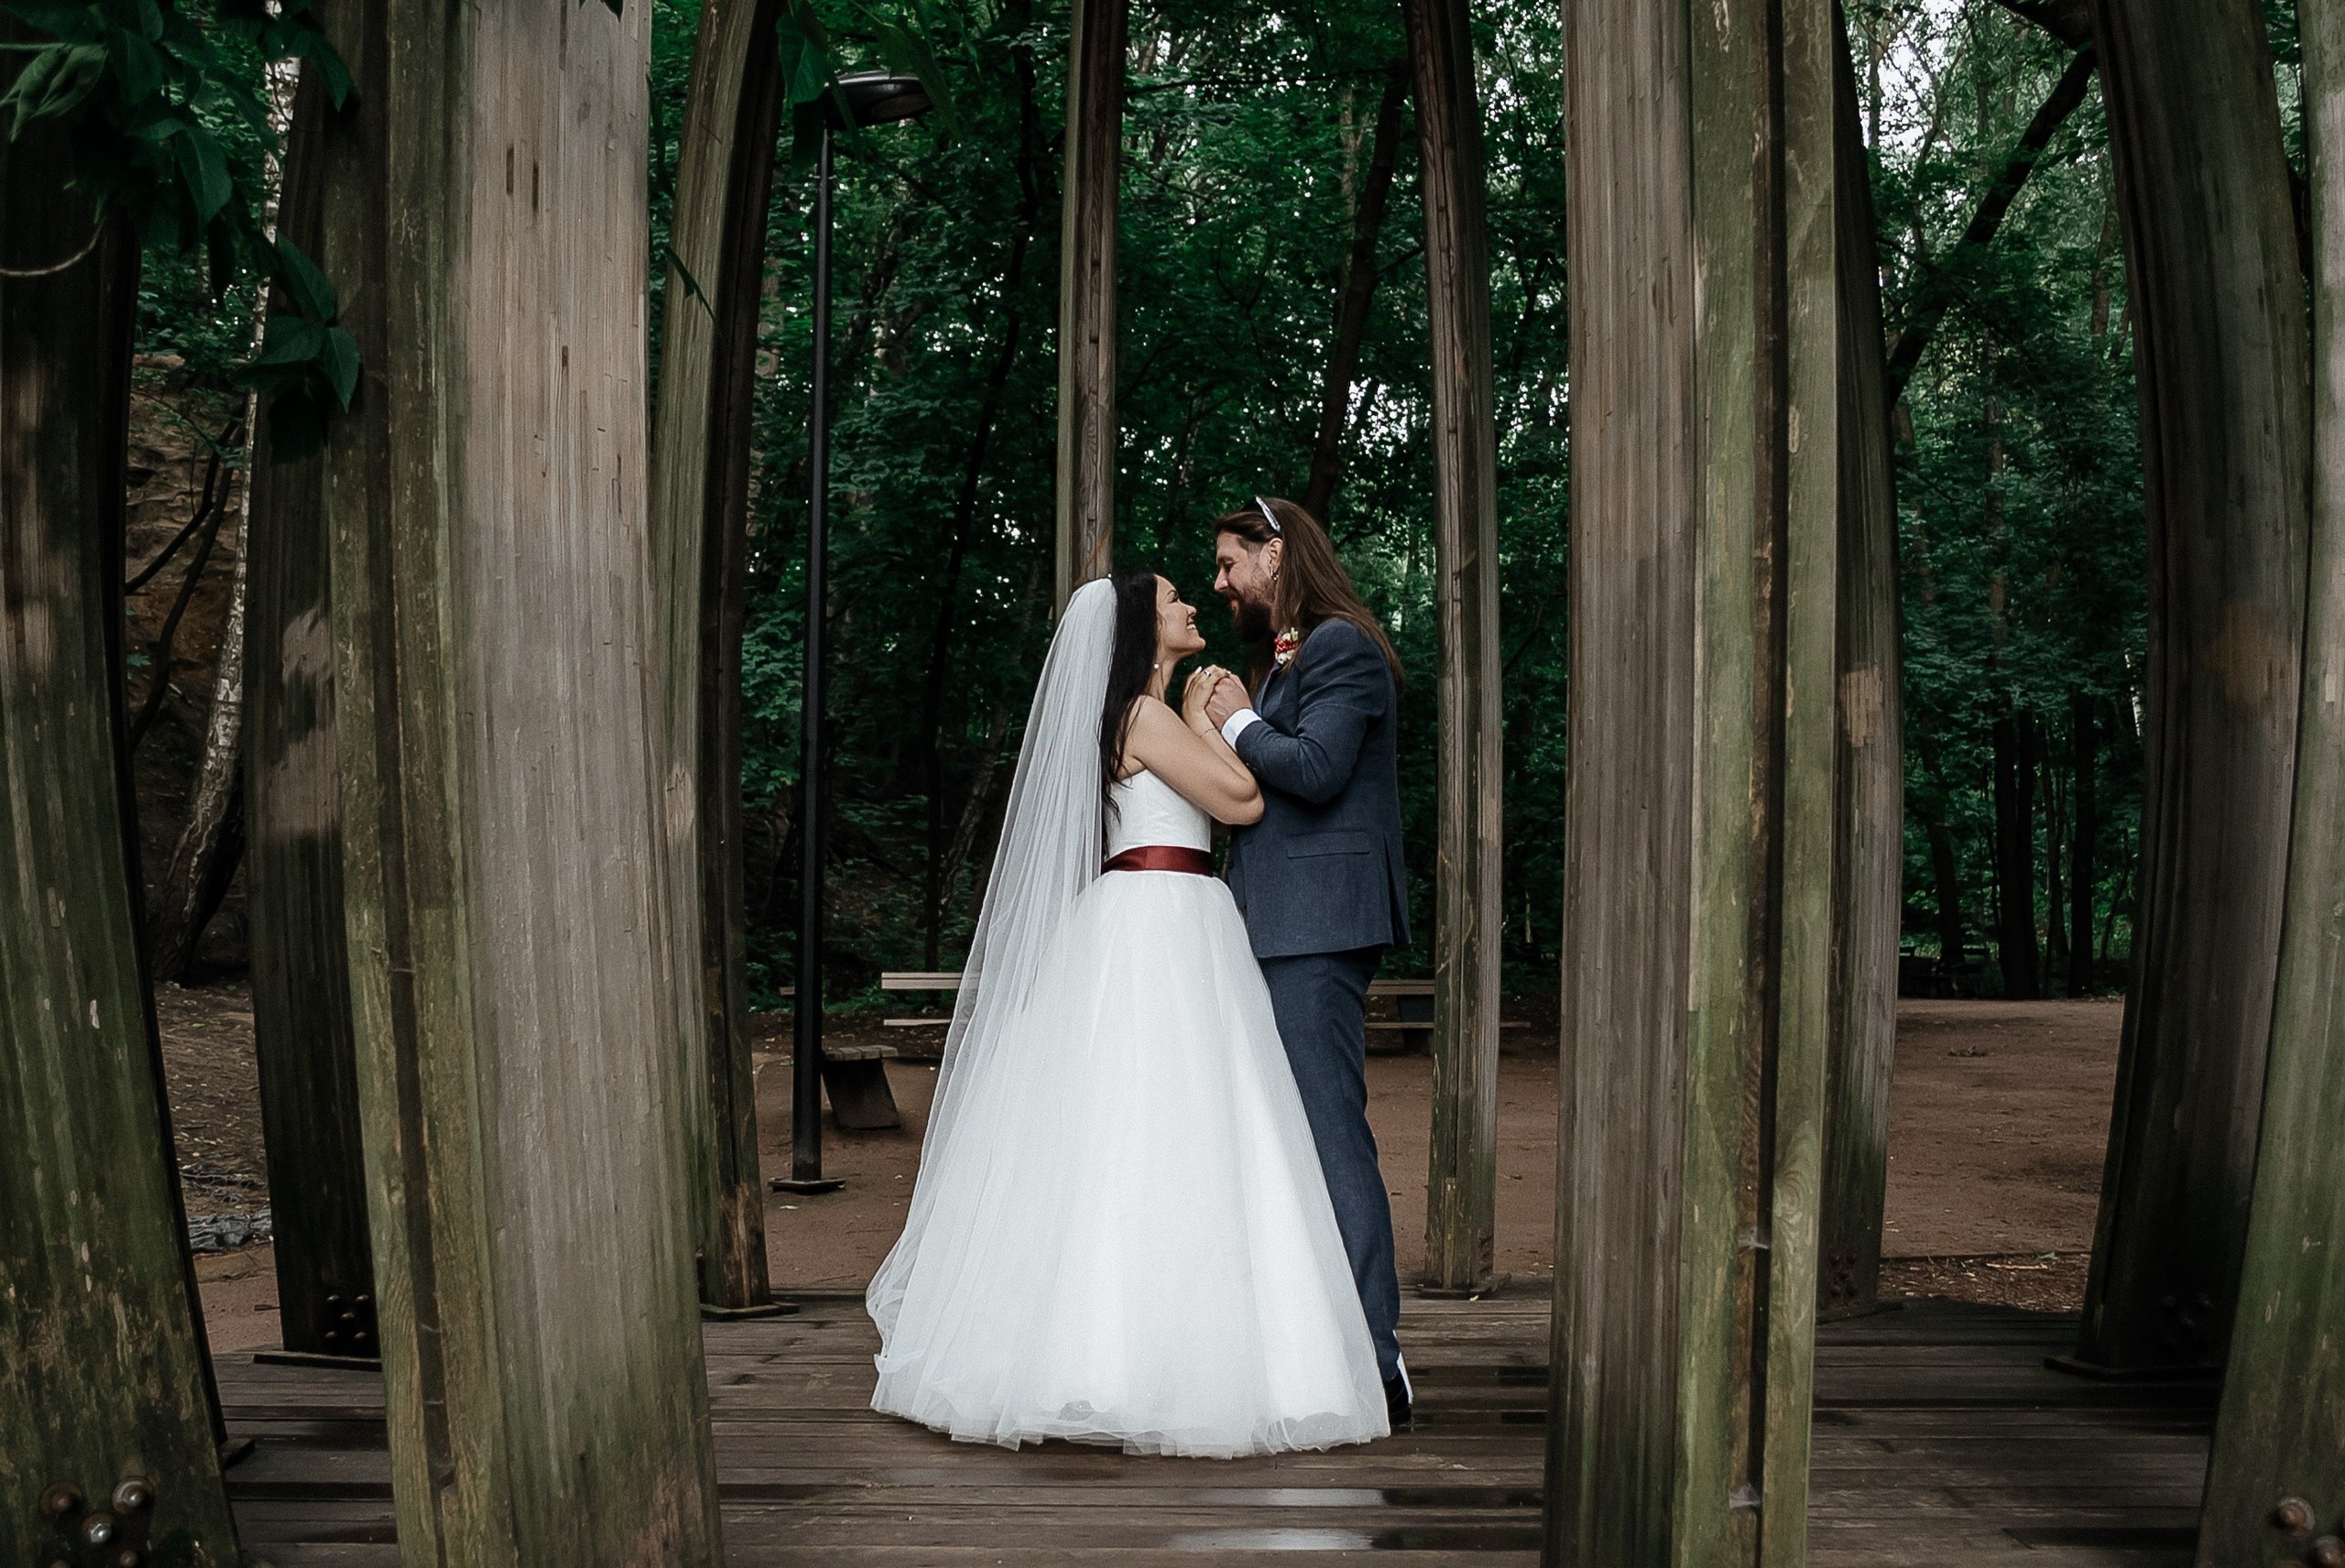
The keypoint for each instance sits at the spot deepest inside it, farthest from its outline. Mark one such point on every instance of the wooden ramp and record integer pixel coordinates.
(1940, 1439)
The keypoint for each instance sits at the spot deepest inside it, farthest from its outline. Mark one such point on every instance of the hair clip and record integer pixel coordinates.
(1268, 516)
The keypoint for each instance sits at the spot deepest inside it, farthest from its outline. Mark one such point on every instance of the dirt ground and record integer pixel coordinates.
(1999, 1115)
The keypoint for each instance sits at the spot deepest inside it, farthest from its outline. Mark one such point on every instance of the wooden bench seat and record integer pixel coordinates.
(854, 1079)
(1413, 1031)
(950, 980)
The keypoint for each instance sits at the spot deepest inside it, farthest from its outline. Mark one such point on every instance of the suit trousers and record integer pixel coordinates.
(1321, 1002)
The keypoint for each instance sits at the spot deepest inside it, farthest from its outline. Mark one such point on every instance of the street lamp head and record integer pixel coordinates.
(876, 98)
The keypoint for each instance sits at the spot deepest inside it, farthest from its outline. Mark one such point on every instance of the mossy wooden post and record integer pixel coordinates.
(102, 1363)
(503, 846)
(1867, 901)
(2277, 1436)
(700, 516)
(2217, 292)
(302, 1025)
(1088, 430)
(1461, 1194)
(1697, 966)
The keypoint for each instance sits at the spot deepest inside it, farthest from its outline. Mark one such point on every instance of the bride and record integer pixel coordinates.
(1120, 1233)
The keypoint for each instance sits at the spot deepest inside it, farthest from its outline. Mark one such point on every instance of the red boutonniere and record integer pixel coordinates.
(1284, 646)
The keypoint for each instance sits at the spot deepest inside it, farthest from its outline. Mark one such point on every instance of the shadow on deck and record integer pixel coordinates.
(1940, 1439)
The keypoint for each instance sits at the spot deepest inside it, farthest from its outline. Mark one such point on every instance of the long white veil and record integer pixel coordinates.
(1051, 839)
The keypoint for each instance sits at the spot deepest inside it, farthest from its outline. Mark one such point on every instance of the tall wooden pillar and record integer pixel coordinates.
(700, 516)
(1700, 813)
(1088, 430)
(301, 1025)
(502, 786)
(1461, 1194)
(2217, 290)
(1867, 902)
(102, 1359)
(2277, 1437)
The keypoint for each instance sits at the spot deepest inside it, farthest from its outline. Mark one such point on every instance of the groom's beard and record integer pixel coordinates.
(1253, 619)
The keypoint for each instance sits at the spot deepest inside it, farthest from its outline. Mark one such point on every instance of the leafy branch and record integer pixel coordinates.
(138, 86)
(811, 64)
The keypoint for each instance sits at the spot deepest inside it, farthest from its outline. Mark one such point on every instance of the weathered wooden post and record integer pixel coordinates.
(2277, 1483)
(2217, 291)
(101, 1365)
(502, 786)
(1461, 1195)
(1088, 430)
(1697, 963)
(301, 1024)
(699, 506)
(1867, 905)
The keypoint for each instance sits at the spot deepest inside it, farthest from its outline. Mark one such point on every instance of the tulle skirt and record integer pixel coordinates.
(1122, 1235)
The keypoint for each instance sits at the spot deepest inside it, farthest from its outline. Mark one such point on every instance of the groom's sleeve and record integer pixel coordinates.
(1345, 688)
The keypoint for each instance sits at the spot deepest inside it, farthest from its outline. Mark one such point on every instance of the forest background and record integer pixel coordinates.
(1270, 170)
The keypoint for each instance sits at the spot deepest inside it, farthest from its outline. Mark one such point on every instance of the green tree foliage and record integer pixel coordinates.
(160, 97)
(2019, 474)
(1247, 138)
(1249, 144)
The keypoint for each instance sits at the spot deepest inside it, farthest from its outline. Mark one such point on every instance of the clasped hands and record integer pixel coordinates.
(1215, 693)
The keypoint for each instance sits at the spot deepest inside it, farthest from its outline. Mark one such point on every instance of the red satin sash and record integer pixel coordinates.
(1162, 858)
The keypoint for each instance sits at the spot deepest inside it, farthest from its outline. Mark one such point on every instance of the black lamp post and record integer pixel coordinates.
(871, 98)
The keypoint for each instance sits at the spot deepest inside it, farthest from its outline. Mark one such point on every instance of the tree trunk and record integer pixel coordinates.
(1701, 812)
(302, 1022)
(1870, 863)
(1946, 871)
(497, 693)
(2015, 950)
(102, 1371)
(2218, 296)
(2084, 831)
(1469, 923)
(700, 522)
(2276, 1436)
(1945, 877)
(1356, 291)
(204, 859)
(2055, 848)
(1087, 431)
(940, 865)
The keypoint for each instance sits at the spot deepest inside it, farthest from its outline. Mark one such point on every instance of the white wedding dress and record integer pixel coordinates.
(1120, 1232)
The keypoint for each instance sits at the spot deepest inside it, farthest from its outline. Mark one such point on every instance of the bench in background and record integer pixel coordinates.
(854, 1079)
(1412, 1031)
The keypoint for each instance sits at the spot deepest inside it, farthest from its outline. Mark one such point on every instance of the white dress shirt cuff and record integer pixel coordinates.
(1236, 724)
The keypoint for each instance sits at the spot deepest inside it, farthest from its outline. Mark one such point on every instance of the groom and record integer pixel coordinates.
(1319, 878)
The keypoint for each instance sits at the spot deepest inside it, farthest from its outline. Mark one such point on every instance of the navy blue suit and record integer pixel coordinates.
(1324, 892)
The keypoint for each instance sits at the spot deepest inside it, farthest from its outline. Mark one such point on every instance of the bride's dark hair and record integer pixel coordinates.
(1129, 665)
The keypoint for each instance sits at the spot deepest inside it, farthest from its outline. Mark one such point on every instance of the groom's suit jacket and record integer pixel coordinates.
(1322, 871)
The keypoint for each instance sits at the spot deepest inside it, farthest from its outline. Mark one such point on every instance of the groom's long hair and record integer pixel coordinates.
(1313, 587)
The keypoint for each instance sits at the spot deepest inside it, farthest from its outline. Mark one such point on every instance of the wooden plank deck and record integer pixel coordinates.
(1940, 1439)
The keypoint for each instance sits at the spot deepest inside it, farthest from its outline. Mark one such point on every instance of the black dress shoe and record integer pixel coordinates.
(1396, 1402)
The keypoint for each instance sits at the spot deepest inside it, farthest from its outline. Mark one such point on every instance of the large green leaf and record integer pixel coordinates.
(54, 82)
(312, 292)
(806, 66)
(205, 168)
(140, 68)
(906, 53)
(341, 364)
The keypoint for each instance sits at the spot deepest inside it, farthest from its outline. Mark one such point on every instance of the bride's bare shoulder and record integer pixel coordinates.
(1148, 727)
(1148, 708)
